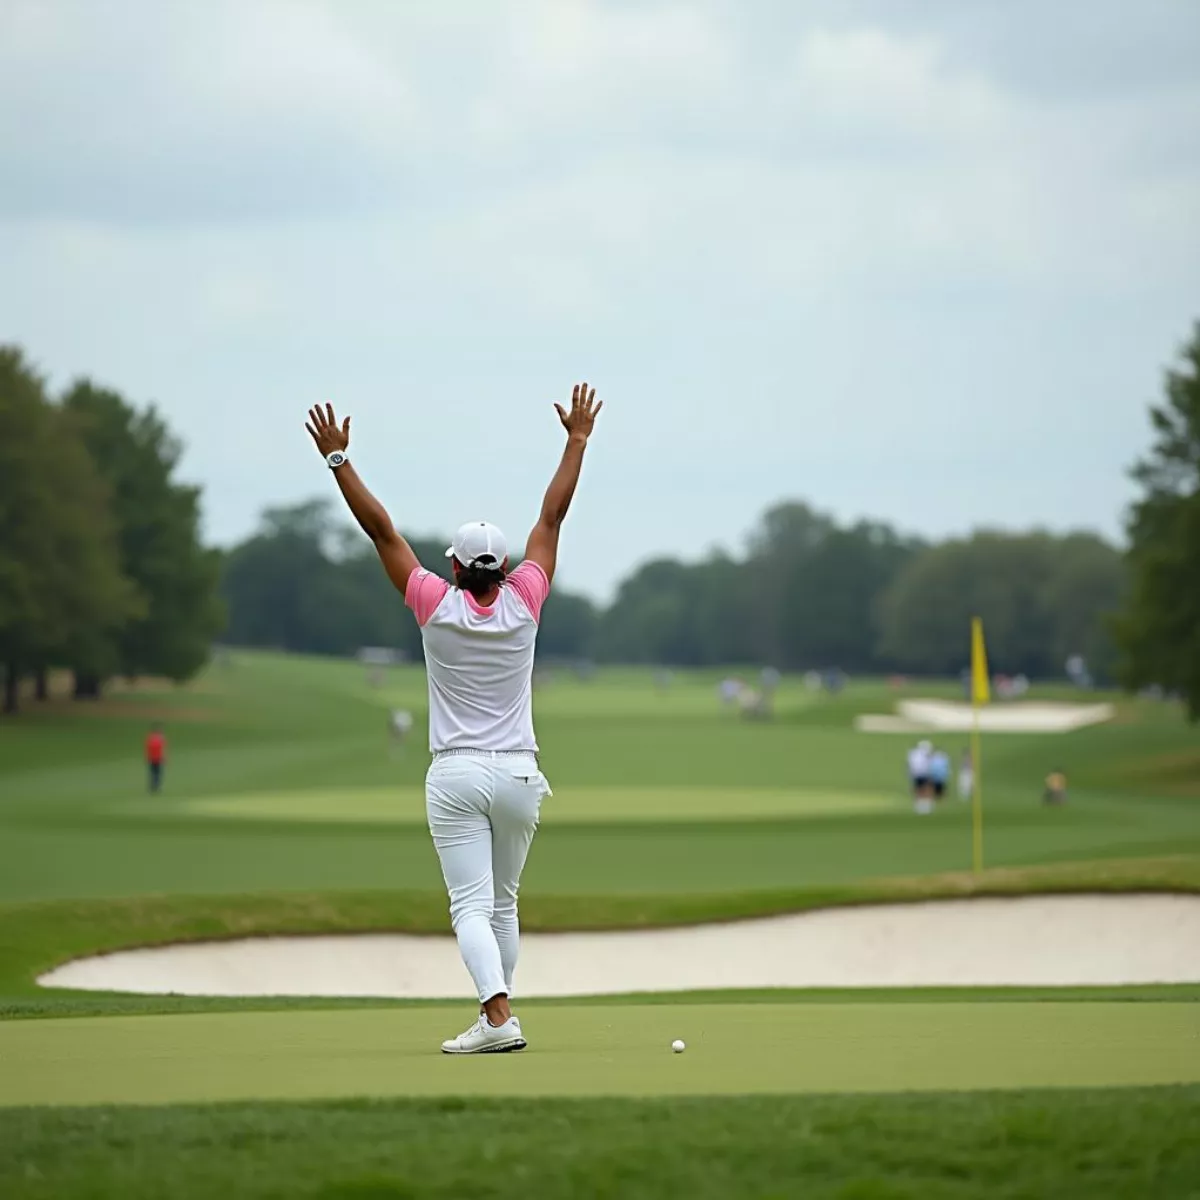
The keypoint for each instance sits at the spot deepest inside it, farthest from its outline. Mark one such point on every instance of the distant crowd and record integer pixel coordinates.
(929, 776)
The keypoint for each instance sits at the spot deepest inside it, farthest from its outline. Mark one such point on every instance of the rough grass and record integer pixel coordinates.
(1120, 1145)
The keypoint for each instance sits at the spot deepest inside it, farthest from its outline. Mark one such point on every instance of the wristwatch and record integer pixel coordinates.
(336, 459)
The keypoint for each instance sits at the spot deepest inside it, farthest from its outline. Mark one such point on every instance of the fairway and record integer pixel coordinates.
(288, 810)
(583, 805)
(592, 1050)
(290, 783)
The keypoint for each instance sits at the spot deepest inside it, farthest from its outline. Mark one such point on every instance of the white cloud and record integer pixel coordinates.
(194, 111)
(789, 245)
(866, 82)
(580, 70)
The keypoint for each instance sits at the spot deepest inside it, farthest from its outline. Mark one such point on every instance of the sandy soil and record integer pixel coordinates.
(1049, 940)
(929, 716)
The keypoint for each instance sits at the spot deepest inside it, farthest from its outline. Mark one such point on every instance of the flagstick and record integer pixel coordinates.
(977, 788)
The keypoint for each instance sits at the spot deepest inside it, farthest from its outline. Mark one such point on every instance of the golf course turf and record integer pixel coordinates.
(1129, 1144)
(596, 1050)
(288, 810)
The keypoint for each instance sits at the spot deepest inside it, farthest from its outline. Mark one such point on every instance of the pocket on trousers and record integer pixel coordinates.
(533, 779)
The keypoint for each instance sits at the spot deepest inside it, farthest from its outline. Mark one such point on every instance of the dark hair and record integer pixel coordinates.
(480, 577)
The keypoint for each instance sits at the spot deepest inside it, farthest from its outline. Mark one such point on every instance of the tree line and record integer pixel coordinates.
(102, 571)
(307, 582)
(807, 592)
(1159, 628)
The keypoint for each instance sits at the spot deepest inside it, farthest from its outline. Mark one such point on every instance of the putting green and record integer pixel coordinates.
(579, 1049)
(575, 805)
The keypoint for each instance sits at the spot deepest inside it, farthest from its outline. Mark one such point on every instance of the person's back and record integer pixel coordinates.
(479, 659)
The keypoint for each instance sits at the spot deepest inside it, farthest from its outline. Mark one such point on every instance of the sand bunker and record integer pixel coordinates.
(1047, 940)
(942, 716)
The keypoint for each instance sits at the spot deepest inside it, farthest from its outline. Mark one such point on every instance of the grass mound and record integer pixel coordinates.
(1122, 1145)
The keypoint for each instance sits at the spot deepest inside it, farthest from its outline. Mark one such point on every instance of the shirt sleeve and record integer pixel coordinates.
(424, 593)
(530, 583)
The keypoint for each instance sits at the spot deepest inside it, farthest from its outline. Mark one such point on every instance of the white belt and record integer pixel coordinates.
(460, 750)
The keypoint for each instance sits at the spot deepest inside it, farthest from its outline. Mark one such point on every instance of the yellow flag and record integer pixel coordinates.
(980, 692)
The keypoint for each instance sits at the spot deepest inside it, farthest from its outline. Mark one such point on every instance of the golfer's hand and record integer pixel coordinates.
(584, 411)
(324, 430)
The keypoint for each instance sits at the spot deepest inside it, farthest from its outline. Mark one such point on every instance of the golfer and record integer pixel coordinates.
(484, 788)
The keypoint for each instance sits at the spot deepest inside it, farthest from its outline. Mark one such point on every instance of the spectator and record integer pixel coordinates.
(1056, 788)
(156, 756)
(918, 777)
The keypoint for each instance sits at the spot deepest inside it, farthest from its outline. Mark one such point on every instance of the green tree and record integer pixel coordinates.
(568, 626)
(650, 619)
(63, 596)
(281, 586)
(819, 586)
(1158, 632)
(1087, 586)
(27, 622)
(158, 531)
(1041, 598)
(723, 604)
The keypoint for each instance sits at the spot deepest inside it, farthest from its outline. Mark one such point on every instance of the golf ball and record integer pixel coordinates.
(678, 1046)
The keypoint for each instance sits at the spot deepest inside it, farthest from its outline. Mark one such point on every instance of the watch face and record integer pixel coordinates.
(336, 458)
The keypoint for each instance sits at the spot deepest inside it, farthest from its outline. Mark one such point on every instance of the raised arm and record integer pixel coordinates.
(332, 441)
(542, 547)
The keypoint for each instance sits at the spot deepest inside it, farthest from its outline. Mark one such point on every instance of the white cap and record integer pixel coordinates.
(478, 540)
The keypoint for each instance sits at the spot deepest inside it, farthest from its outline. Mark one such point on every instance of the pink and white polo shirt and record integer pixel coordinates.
(479, 659)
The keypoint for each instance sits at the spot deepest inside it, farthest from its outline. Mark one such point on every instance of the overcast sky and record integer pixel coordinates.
(917, 260)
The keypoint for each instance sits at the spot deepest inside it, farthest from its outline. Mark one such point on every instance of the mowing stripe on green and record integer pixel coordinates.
(577, 1049)
(575, 805)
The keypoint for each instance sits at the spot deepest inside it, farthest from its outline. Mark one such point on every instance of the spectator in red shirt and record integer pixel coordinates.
(156, 756)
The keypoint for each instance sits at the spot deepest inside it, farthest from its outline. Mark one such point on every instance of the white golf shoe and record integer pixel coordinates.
(485, 1038)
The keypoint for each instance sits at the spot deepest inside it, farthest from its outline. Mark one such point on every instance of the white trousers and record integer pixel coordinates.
(483, 812)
